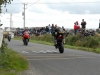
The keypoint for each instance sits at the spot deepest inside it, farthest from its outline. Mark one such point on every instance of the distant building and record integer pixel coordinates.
(8, 29)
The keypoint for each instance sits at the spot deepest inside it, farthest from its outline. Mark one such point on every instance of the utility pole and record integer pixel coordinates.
(10, 21)
(12, 25)
(24, 15)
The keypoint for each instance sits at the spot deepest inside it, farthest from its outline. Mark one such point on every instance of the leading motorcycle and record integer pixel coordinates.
(60, 42)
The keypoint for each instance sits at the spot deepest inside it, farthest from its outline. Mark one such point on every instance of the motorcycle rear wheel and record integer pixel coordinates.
(61, 48)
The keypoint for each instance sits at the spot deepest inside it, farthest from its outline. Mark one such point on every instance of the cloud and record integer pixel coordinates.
(39, 8)
(44, 13)
(77, 8)
(38, 20)
(43, 9)
(34, 19)
(71, 6)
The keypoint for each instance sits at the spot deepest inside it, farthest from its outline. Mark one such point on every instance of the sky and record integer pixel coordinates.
(44, 12)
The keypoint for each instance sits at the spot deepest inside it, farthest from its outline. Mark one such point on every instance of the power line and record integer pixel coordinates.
(29, 5)
(51, 2)
(17, 16)
(5, 20)
(23, 13)
(32, 4)
(63, 2)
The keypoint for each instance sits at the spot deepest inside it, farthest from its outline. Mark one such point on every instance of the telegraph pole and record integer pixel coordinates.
(24, 15)
(12, 25)
(10, 21)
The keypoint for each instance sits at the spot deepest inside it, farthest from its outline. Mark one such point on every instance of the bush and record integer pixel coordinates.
(89, 41)
(79, 43)
(93, 42)
(3, 46)
(71, 40)
(45, 37)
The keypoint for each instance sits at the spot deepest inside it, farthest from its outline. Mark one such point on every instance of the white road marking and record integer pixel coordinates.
(34, 51)
(55, 51)
(48, 50)
(25, 52)
(41, 51)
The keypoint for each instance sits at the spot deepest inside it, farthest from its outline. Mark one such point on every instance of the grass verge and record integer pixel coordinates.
(11, 62)
(96, 50)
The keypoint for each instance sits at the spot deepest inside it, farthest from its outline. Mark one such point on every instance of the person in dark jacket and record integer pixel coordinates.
(47, 29)
(83, 24)
(52, 29)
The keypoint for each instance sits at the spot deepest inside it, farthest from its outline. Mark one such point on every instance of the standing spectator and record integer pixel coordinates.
(34, 30)
(76, 27)
(83, 24)
(63, 28)
(49, 29)
(52, 29)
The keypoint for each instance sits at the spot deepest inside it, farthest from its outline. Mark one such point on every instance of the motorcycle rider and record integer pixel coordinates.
(55, 34)
(25, 34)
(9, 36)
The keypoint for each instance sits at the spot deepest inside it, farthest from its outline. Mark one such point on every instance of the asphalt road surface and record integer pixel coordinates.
(46, 60)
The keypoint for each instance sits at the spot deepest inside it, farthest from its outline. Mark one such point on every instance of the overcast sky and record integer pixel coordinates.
(44, 12)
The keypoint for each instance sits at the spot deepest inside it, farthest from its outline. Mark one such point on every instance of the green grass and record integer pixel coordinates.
(96, 50)
(11, 62)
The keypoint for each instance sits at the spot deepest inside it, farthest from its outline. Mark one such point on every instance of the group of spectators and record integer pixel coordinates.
(82, 28)
(50, 28)
(39, 30)
(77, 26)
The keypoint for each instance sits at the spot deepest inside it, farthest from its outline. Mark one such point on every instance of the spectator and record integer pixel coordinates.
(76, 27)
(83, 24)
(63, 28)
(52, 29)
(49, 29)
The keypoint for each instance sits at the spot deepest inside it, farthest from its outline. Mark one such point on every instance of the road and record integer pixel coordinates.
(46, 60)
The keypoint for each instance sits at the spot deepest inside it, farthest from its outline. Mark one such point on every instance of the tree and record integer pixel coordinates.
(4, 2)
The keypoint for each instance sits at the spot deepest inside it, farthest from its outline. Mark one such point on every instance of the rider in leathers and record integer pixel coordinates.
(55, 34)
(25, 32)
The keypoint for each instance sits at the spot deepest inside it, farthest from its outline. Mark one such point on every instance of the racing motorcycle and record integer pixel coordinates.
(60, 42)
(9, 37)
(25, 39)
